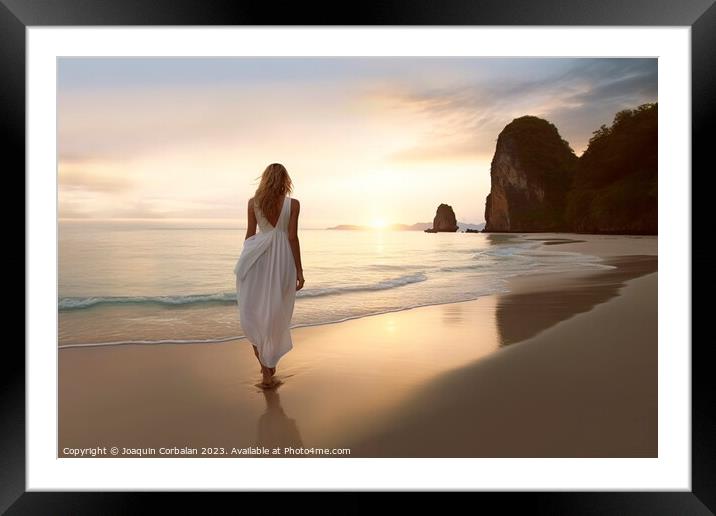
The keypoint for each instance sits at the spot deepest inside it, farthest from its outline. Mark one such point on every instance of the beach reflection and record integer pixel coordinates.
(499, 238)
(275, 428)
(345, 377)
(452, 313)
(521, 315)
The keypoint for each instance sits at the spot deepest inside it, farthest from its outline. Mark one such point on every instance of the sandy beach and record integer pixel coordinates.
(563, 365)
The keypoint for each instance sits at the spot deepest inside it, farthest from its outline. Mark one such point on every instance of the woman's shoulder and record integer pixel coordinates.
(294, 202)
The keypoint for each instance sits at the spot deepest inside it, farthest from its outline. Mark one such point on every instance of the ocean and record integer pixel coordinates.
(158, 283)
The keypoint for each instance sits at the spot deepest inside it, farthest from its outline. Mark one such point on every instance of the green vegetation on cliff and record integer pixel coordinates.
(615, 185)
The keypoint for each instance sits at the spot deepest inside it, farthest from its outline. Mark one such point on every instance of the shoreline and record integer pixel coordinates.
(553, 241)
(342, 380)
(562, 393)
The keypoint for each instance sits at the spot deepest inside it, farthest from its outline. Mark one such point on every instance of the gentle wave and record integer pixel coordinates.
(77, 303)
(219, 340)
(508, 251)
(380, 285)
(488, 285)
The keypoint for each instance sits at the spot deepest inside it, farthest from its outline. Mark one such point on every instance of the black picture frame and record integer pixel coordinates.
(700, 15)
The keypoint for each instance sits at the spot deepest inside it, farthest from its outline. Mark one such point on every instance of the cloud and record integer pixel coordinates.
(188, 139)
(85, 181)
(77, 207)
(627, 87)
(577, 100)
(450, 151)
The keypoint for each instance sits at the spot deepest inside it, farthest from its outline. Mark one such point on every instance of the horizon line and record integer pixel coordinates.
(225, 220)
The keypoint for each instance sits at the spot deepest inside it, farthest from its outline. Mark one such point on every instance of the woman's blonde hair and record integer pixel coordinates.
(275, 183)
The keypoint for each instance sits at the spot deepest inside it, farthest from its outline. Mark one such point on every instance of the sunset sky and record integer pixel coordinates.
(365, 139)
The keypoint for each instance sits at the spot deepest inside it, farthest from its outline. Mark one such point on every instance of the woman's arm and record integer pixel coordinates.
(251, 220)
(293, 240)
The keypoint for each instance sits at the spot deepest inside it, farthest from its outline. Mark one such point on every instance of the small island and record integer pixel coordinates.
(444, 220)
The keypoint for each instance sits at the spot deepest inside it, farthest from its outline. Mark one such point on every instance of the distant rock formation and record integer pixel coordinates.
(348, 226)
(615, 187)
(531, 171)
(444, 220)
(418, 226)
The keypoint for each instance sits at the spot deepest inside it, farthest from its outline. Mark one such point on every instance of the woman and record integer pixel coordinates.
(269, 271)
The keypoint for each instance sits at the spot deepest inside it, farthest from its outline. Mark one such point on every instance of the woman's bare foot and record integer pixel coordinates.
(267, 377)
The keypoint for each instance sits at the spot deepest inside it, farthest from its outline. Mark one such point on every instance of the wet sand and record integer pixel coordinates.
(564, 365)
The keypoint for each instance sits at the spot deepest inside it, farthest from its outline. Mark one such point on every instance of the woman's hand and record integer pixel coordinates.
(299, 280)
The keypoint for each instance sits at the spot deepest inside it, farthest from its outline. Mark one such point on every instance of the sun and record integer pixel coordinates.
(378, 224)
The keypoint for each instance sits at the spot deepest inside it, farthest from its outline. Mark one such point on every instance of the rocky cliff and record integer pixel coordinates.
(531, 172)
(538, 184)
(444, 220)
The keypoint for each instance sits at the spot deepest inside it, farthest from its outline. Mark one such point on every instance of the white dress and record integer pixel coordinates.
(266, 287)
